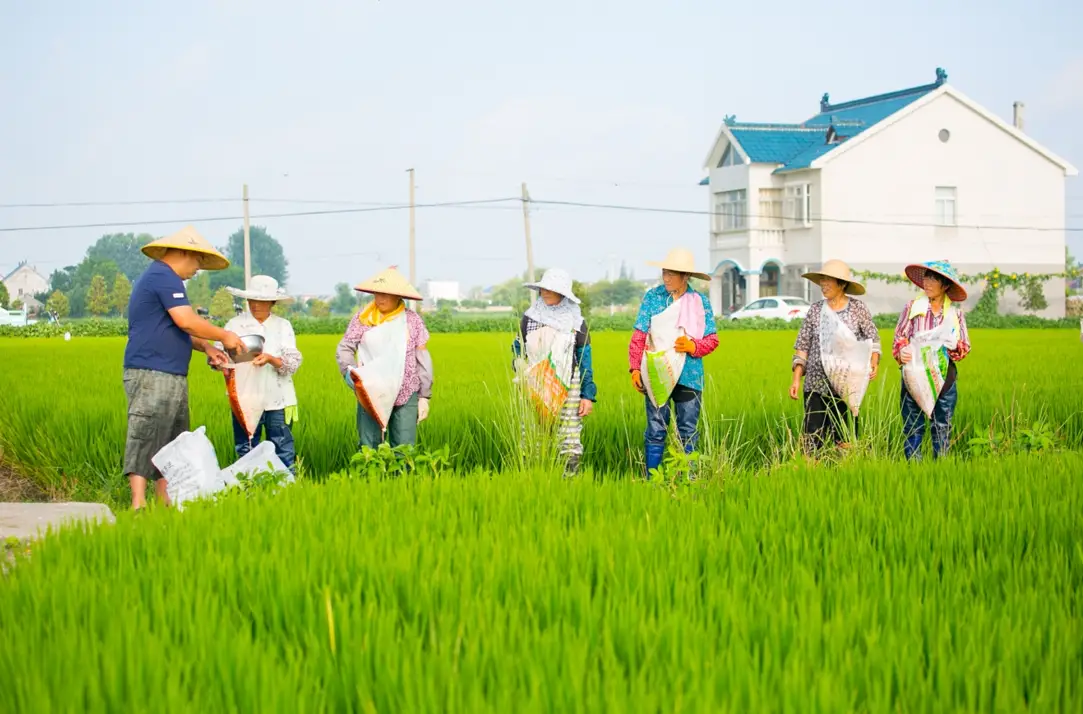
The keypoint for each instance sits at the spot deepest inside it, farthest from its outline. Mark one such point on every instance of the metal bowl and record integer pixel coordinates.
(254, 345)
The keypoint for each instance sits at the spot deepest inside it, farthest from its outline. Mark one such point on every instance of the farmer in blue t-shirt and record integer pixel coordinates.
(163, 329)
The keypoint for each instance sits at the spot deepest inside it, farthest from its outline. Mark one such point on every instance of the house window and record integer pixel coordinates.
(771, 207)
(798, 204)
(945, 205)
(730, 158)
(731, 211)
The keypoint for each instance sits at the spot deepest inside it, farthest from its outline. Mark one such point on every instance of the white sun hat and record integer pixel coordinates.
(557, 281)
(263, 288)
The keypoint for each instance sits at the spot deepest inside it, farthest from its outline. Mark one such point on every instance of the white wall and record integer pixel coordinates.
(26, 282)
(1000, 182)
(442, 290)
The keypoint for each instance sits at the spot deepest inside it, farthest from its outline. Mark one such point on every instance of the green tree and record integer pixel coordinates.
(4, 297)
(512, 293)
(58, 303)
(222, 305)
(125, 250)
(583, 293)
(268, 258)
(345, 301)
(97, 297)
(617, 292)
(199, 290)
(318, 308)
(16, 304)
(122, 291)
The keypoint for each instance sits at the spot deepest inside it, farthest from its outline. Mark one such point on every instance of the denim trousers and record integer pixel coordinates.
(914, 422)
(686, 407)
(278, 432)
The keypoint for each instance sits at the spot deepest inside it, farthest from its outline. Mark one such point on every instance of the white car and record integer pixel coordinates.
(779, 307)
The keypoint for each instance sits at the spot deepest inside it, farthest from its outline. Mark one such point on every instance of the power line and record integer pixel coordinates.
(493, 203)
(857, 221)
(326, 212)
(66, 204)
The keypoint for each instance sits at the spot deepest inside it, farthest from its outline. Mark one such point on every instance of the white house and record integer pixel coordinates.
(908, 176)
(25, 282)
(441, 290)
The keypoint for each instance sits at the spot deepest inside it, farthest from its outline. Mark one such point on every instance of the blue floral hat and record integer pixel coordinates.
(916, 272)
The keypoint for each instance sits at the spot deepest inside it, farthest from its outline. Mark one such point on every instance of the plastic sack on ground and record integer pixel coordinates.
(245, 385)
(847, 361)
(261, 458)
(189, 466)
(381, 368)
(924, 375)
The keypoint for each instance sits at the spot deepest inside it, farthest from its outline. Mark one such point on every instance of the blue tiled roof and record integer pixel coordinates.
(773, 144)
(796, 146)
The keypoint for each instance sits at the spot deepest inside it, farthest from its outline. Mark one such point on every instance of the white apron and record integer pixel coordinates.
(381, 368)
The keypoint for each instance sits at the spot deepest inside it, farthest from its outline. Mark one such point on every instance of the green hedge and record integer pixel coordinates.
(444, 323)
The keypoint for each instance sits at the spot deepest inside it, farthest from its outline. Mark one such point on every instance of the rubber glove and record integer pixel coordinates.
(685, 345)
(422, 409)
(637, 380)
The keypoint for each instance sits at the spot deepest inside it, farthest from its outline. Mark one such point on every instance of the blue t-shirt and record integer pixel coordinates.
(154, 340)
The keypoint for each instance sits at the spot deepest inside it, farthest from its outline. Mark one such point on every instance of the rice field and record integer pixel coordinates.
(773, 585)
(63, 404)
(879, 590)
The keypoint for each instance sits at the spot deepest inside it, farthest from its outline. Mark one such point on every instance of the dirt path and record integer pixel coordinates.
(16, 488)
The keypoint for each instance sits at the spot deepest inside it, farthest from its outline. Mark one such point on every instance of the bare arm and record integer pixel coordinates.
(186, 318)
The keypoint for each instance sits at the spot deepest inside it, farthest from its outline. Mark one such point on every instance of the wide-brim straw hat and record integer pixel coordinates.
(389, 282)
(557, 281)
(916, 273)
(189, 239)
(263, 288)
(680, 260)
(840, 271)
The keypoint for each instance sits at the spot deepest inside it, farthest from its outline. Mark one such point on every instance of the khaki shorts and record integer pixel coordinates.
(157, 414)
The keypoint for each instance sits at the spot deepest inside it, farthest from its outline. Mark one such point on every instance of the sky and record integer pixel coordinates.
(325, 109)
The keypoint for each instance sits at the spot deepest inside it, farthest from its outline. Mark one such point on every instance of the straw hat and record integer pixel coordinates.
(680, 260)
(557, 281)
(389, 282)
(839, 271)
(916, 273)
(188, 239)
(263, 288)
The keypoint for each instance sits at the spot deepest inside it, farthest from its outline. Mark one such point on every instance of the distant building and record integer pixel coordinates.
(25, 282)
(435, 290)
(908, 176)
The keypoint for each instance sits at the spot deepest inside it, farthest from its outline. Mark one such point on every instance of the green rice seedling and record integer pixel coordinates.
(954, 587)
(64, 406)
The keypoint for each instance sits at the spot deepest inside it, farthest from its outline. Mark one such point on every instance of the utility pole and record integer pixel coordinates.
(247, 244)
(526, 228)
(413, 237)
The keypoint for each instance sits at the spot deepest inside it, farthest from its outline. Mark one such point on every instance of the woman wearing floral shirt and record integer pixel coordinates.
(940, 283)
(411, 406)
(826, 413)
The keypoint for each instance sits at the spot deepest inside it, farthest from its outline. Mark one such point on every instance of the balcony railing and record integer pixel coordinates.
(769, 238)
